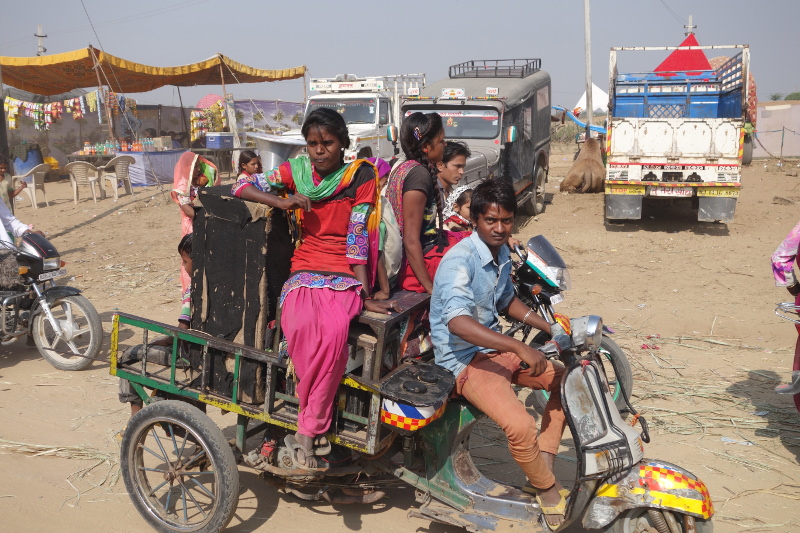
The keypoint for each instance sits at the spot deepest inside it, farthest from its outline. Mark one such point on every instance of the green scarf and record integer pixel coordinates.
(302, 174)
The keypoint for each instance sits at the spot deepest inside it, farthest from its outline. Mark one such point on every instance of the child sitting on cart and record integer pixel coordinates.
(160, 350)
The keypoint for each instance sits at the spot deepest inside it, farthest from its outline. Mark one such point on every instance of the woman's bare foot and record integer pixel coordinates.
(305, 455)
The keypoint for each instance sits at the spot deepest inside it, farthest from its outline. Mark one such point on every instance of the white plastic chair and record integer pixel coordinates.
(115, 172)
(36, 183)
(82, 173)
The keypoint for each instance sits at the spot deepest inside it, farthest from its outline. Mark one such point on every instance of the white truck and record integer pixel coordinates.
(369, 106)
(677, 135)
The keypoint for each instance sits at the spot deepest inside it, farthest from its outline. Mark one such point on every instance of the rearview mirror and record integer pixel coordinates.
(391, 134)
(511, 134)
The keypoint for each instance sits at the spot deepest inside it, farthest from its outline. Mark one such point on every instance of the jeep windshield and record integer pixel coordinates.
(460, 123)
(354, 111)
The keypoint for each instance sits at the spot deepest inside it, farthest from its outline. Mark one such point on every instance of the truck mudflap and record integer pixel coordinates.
(713, 209)
(653, 484)
(623, 206)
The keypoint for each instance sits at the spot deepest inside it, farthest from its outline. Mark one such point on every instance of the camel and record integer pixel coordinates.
(587, 173)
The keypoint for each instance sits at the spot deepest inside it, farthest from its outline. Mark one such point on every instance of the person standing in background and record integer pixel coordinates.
(783, 261)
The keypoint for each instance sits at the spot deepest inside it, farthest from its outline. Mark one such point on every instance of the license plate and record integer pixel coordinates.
(54, 274)
(556, 299)
(625, 189)
(724, 192)
(660, 190)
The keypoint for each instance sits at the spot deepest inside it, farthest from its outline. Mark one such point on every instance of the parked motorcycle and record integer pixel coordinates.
(540, 278)
(64, 325)
(181, 472)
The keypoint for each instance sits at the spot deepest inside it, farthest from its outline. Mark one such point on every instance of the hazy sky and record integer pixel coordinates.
(381, 37)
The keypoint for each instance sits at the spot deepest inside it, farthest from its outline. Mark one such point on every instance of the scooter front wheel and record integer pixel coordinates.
(623, 378)
(80, 338)
(640, 519)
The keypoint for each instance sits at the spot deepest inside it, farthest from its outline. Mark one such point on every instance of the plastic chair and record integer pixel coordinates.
(35, 183)
(116, 171)
(82, 173)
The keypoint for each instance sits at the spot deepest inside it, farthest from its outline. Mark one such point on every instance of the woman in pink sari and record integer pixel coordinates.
(783, 261)
(191, 173)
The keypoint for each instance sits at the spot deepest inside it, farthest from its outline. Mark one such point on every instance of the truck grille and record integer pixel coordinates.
(666, 111)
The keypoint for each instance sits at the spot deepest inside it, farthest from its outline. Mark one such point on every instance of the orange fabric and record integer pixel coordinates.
(486, 383)
(59, 73)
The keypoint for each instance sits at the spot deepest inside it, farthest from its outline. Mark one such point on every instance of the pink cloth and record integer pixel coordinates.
(315, 323)
(486, 383)
(784, 257)
(184, 193)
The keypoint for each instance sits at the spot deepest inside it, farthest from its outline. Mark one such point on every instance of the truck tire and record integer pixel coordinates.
(747, 151)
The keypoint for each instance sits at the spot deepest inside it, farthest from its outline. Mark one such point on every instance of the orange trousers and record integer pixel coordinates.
(486, 383)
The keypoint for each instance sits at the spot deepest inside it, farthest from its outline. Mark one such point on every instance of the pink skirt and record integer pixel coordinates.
(315, 323)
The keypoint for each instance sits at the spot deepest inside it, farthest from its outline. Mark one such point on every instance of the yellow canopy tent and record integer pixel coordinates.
(90, 67)
(58, 73)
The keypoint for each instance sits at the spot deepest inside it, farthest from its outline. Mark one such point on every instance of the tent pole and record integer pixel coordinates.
(183, 118)
(3, 134)
(100, 88)
(222, 77)
(230, 113)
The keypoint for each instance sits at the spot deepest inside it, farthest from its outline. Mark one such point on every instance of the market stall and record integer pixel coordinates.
(151, 168)
(113, 77)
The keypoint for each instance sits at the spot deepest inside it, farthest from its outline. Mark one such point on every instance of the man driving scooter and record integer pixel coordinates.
(472, 286)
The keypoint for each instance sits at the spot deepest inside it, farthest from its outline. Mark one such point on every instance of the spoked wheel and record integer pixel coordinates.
(179, 469)
(80, 337)
(640, 520)
(624, 378)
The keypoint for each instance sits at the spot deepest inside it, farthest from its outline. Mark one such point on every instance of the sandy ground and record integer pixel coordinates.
(700, 296)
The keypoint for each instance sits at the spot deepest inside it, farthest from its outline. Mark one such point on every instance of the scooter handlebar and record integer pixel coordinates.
(550, 350)
(521, 254)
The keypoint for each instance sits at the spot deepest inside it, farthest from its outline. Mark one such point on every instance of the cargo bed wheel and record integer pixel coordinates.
(179, 469)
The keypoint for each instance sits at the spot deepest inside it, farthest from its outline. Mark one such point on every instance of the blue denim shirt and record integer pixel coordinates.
(468, 282)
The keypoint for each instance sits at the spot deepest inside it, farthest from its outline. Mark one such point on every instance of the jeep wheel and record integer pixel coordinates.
(534, 205)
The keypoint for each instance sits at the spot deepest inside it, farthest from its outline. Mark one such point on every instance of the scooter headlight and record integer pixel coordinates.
(594, 331)
(587, 332)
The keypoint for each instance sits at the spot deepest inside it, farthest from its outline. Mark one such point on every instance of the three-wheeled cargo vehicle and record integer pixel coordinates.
(393, 420)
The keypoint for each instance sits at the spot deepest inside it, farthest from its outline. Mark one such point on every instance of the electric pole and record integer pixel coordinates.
(40, 35)
(689, 27)
(588, 52)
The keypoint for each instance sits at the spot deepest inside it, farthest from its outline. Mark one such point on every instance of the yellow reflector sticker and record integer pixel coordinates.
(625, 189)
(725, 192)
